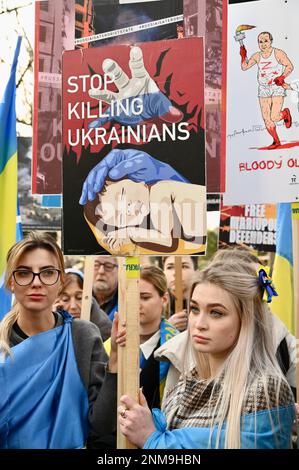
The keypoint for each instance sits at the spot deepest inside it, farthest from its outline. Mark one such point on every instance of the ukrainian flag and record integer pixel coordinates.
(8, 177)
(283, 305)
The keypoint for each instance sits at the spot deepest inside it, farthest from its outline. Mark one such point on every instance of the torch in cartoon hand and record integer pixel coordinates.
(240, 35)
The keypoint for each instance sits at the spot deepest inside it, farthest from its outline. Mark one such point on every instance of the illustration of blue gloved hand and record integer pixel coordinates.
(139, 93)
(134, 164)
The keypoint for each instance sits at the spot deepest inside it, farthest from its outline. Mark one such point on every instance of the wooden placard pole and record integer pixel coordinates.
(295, 237)
(87, 287)
(178, 284)
(128, 357)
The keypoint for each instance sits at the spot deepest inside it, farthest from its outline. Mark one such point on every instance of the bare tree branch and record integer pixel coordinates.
(28, 67)
(7, 10)
(24, 35)
(22, 121)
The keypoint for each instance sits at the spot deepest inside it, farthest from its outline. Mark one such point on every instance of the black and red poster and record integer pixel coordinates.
(208, 18)
(54, 33)
(252, 225)
(134, 149)
(64, 24)
(103, 22)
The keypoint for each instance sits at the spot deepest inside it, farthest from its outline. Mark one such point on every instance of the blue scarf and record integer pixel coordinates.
(112, 312)
(43, 403)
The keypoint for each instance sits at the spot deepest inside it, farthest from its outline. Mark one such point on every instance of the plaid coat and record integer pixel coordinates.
(189, 409)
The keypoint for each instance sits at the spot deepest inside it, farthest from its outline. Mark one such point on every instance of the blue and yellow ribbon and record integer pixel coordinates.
(266, 284)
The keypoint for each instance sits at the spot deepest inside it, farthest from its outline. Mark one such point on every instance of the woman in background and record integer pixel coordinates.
(189, 266)
(154, 329)
(70, 299)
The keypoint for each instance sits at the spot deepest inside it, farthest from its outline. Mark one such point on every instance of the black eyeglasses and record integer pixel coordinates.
(48, 277)
(108, 267)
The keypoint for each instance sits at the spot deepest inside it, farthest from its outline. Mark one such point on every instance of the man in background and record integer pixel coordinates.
(105, 284)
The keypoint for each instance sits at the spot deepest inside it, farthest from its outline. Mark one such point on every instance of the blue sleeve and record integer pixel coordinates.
(186, 438)
(262, 430)
(268, 429)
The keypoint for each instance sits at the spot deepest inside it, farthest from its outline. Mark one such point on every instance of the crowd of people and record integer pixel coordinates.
(220, 373)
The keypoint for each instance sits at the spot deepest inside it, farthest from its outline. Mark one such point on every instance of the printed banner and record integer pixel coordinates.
(133, 163)
(263, 103)
(34, 216)
(54, 33)
(208, 18)
(253, 225)
(103, 22)
(58, 25)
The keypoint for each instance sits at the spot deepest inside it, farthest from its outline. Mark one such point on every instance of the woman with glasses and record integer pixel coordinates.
(52, 366)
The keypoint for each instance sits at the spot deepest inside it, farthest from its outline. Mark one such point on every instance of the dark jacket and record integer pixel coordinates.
(100, 318)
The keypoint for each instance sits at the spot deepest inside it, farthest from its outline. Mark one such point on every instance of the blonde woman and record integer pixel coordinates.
(285, 342)
(52, 366)
(237, 395)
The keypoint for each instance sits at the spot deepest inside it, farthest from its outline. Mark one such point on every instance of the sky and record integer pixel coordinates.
(213, 219)
(8, 27)
(9, 31)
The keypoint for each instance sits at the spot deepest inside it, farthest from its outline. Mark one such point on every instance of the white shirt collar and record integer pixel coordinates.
(148, 346)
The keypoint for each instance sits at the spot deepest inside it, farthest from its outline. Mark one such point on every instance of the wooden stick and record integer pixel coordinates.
(295, 236)
(121, 440)
(128, 357)
(178, 284)
(87, 287)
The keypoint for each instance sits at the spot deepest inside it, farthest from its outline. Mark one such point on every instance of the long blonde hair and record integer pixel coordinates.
(252, 360)
(33, 241)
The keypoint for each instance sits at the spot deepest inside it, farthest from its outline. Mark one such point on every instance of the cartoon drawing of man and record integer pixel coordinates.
(273, 67)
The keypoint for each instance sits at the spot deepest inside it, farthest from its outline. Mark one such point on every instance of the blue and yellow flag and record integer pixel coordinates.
(283, 305)
(8, 177)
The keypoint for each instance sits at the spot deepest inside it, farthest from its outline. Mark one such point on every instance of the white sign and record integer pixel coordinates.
(262, 103)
